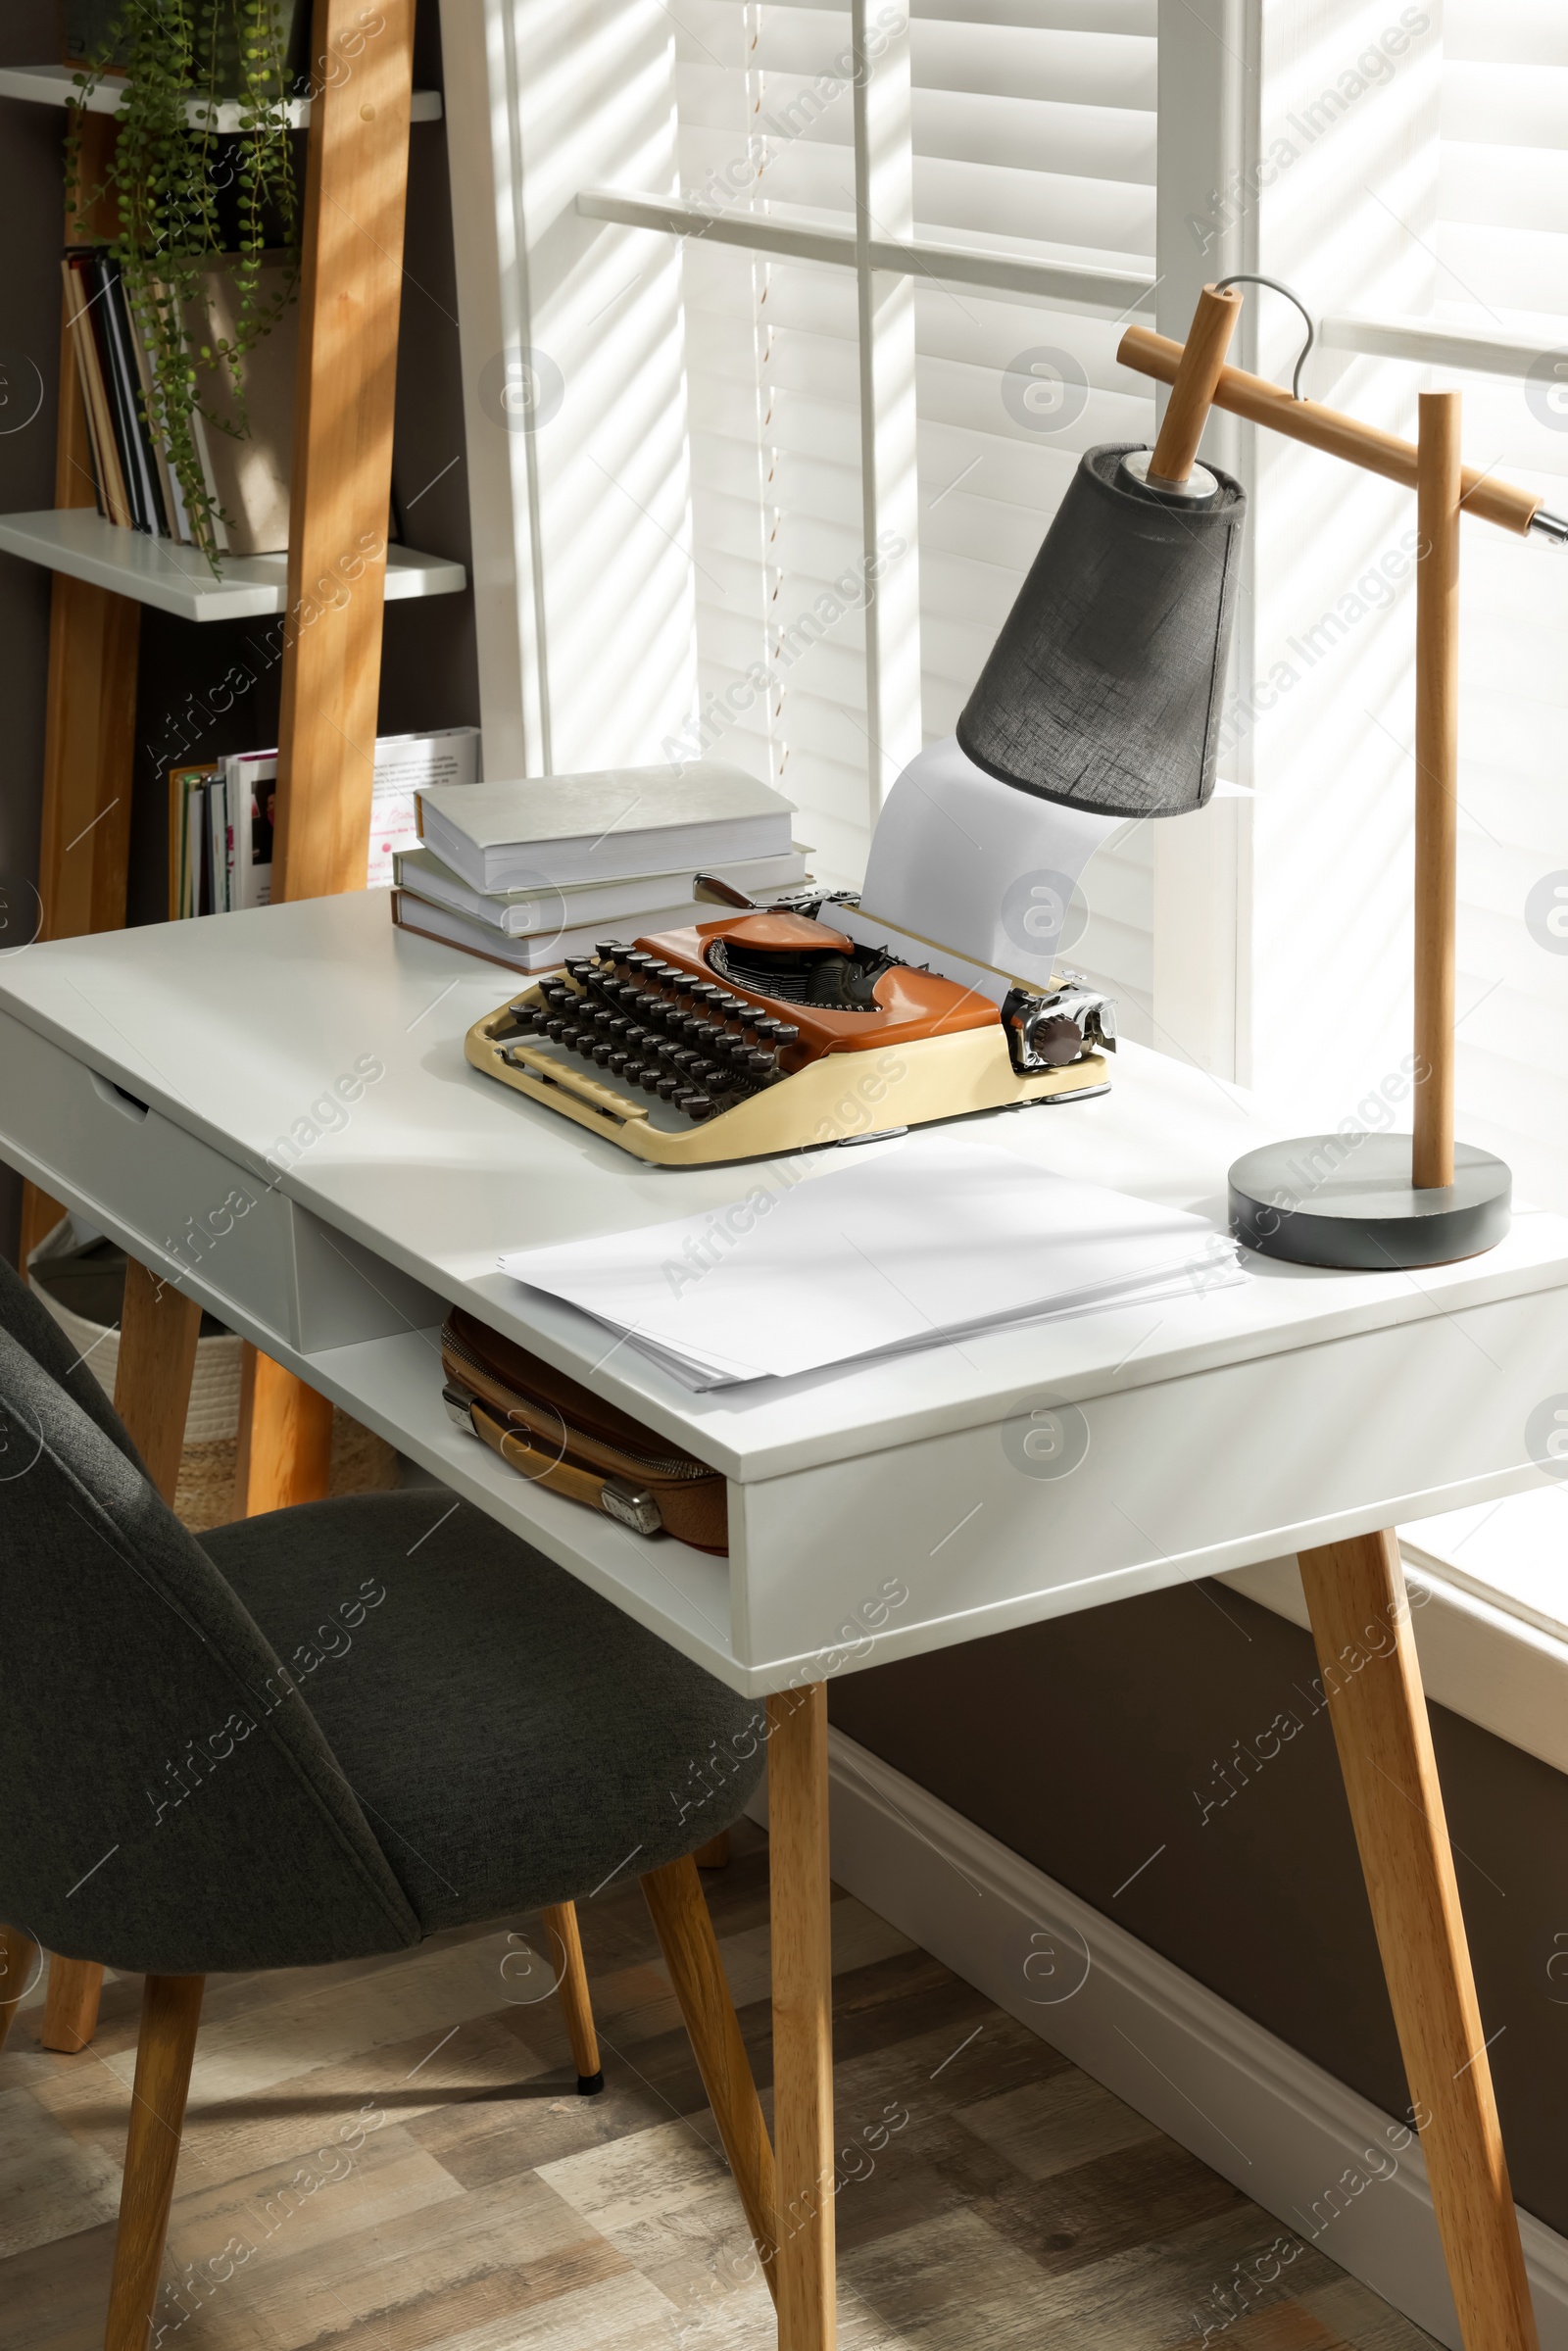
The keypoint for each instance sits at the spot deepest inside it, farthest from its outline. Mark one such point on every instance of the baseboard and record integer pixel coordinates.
(1297, 2140)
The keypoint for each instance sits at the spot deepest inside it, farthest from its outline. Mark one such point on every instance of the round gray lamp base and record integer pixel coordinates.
(1346, 1201)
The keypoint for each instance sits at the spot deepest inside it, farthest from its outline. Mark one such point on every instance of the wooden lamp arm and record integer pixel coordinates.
(1200, 363)
(1336, 435)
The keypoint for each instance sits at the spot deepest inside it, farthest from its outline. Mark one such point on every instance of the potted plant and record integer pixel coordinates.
(186, 195)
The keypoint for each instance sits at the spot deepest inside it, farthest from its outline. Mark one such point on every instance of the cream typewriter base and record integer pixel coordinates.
(833, 1100)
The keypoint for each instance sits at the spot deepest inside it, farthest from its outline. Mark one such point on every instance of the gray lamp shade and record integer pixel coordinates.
(1103, 688)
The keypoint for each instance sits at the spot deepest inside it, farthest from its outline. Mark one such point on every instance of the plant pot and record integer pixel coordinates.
(89, 25)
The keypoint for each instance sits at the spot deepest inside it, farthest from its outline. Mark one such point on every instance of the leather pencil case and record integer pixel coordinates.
(565, 1438)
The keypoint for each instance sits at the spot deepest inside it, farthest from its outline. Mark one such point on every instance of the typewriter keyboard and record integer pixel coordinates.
(690, 1043)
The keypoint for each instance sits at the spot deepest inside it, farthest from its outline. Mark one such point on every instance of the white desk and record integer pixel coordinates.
(147, 1077)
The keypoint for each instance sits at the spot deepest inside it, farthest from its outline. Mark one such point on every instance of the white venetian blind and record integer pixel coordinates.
(1033, 133)
(1502, 247)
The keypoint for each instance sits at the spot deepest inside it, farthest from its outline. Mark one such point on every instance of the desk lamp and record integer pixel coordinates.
(1103, 691)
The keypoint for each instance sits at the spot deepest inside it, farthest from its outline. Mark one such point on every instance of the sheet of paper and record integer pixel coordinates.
(973, 864)
(927, 1239)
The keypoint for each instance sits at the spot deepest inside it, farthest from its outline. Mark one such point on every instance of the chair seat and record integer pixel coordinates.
(513, 1738)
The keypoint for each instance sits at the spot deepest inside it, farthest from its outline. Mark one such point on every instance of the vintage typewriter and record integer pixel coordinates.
(782, 1027)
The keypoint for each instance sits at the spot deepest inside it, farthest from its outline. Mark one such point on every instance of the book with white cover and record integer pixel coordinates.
(521, 913)
(542, 952)
(565, 829)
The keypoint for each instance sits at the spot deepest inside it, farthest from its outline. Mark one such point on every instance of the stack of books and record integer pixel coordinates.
(244, 462)
(220, 816)
(529, 873)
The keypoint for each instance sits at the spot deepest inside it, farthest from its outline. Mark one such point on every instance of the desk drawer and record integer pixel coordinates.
(190, 1212)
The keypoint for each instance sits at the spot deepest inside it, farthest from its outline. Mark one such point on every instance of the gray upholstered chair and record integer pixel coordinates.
(318, 1736)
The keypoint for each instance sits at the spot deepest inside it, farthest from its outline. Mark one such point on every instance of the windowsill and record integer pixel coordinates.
(1491, 1615)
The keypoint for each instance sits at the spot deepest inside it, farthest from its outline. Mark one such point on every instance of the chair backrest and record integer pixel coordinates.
(171, 1805)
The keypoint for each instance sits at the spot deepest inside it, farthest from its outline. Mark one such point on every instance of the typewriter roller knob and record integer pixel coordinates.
(1057, 1041)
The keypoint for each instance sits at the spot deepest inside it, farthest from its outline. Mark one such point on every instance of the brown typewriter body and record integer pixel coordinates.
(771, 1031)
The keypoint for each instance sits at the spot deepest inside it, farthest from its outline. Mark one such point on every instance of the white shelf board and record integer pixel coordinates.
(177, 579)
(54, 85)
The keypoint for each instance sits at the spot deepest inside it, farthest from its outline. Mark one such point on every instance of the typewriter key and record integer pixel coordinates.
(698, 1106)
(666, 1089)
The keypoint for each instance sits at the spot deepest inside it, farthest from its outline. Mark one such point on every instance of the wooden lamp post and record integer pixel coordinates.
(1381, 1200)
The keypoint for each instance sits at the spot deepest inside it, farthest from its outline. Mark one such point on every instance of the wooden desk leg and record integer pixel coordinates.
(1361, 1622)
(158, 1330)
(803, 2016)
(285, 1439)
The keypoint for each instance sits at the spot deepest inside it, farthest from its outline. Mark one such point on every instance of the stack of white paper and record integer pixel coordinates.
(925, 1241)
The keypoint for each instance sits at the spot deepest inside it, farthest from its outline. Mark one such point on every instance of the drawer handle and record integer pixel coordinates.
(129, 1105)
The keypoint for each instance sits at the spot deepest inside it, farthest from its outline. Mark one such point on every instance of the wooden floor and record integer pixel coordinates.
(392, 2157)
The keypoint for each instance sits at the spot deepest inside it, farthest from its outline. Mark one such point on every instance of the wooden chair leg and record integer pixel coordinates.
(685, 1931)
(71, 2005)
(1355, 1596)
(561, 1922)
(170, 2010)
(158, 1331)
(20, 1958)
(803, 2016)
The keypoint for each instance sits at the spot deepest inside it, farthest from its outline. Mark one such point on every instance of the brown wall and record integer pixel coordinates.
(1087, 1743)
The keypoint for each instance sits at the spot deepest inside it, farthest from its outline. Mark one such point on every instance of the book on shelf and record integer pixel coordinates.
(562, 830)
(186, 805)
(244, 450)
(518, 914)
(541, 952)
(221, 817)
(405, 765)
(109, 482)
(132, 433)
